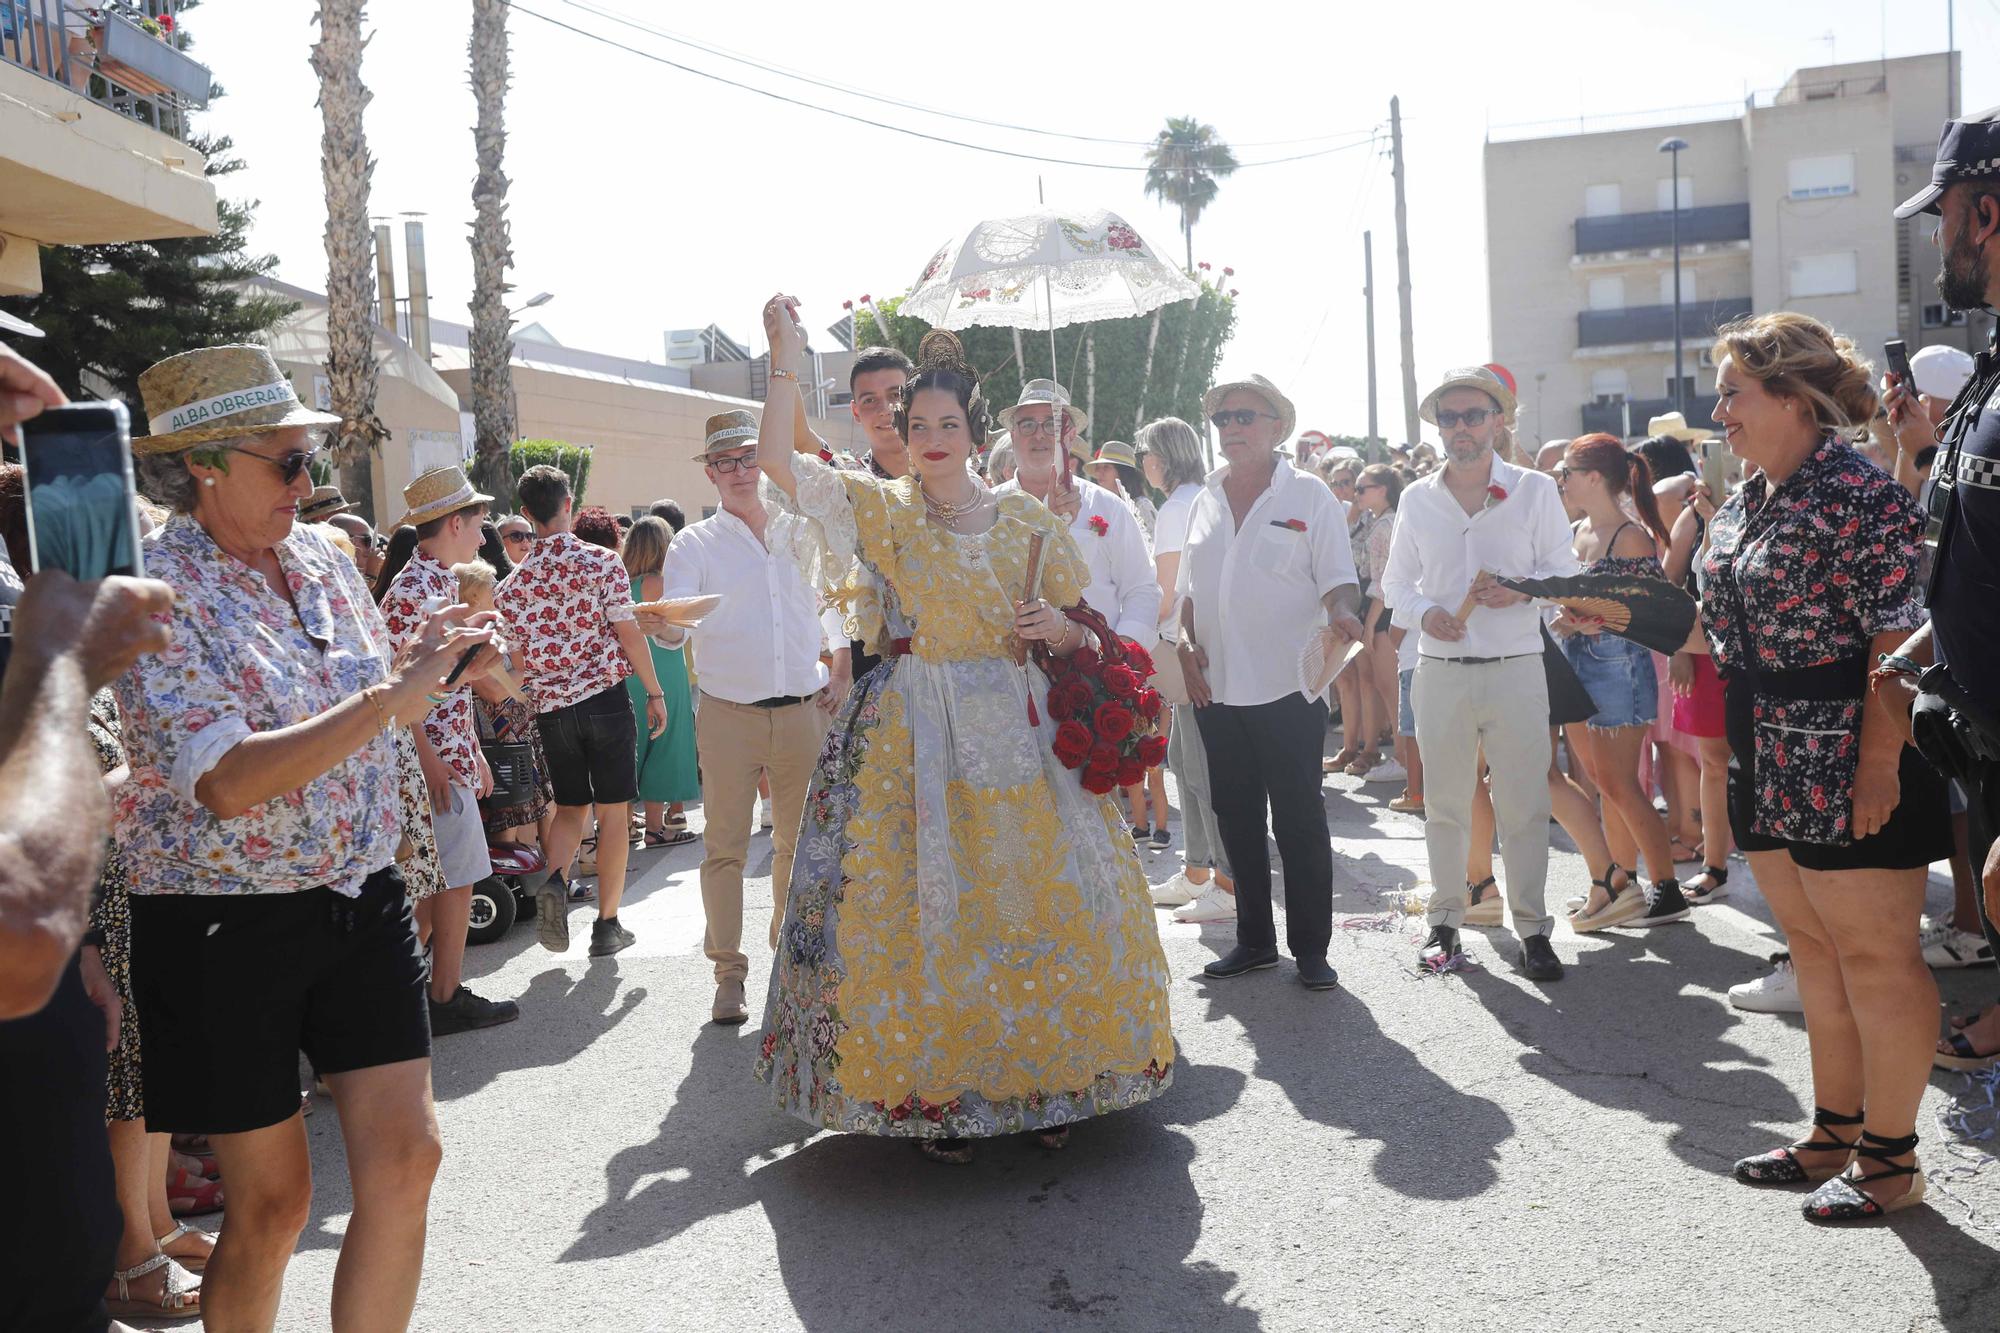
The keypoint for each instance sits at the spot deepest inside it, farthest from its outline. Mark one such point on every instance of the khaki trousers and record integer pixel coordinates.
(738, 743)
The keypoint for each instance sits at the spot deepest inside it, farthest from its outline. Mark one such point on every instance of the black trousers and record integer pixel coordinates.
(1268, 755)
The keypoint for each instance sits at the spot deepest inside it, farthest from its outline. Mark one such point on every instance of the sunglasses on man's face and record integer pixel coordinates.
(289, 467)
(1238, 416)
(1471, 416)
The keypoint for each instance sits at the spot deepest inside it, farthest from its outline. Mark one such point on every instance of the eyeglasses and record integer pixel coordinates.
(728, 465)
(1036, 426)
(1471, 416)
(1239, 416)
(289, 467)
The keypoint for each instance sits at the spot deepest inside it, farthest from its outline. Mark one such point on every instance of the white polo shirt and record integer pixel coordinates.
(1439, 549)
(1257, 589)
(1124, 587)
(764, 641)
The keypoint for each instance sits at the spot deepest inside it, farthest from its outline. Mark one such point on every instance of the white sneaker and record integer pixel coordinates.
(1211, 904)
(1957, 948)
(764, 813)
(1177, 891)
(1777, 993)
(1387, 771)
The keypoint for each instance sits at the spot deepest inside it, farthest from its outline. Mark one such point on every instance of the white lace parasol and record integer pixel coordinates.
(1045, 270)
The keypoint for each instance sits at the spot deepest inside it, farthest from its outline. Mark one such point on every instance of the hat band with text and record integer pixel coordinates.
(731, 433)
(230, 404)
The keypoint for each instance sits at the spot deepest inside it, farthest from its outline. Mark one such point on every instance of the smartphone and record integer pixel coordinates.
(83, 510)
(1897, 353)
(1715, 469)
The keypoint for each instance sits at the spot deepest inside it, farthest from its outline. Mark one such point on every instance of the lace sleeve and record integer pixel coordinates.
(823, 524)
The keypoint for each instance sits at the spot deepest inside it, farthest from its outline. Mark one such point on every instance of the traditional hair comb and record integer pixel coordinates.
(941, 350)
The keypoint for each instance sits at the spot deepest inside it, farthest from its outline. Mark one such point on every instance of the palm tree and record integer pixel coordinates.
(495, 427)
(1183, 168)
(350, 287)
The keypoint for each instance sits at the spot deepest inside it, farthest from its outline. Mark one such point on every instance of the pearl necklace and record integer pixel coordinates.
(949, 514)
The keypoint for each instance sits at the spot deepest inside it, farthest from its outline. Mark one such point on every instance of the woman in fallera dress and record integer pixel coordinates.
(968, 947)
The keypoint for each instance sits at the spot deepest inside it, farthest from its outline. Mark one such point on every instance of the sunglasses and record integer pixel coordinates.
(289, 467)
(517, 537)
(725, 466)
(1370, 486)
(1239, 416)
(1471, 416)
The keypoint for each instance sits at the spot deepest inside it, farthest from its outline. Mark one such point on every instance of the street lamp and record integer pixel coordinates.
(1674, 147)
(539, 298)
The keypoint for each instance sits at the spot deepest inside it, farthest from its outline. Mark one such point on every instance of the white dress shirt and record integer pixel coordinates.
(1257, 590)
(1124, 587)
(764, 641)
(1439, 549)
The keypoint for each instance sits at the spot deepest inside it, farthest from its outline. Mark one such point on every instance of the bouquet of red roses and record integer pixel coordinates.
(1107, 717)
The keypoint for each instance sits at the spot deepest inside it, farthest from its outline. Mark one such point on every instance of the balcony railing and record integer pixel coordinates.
(119, 55)
(1655, 323)
(1647, 231)
(1611, 417)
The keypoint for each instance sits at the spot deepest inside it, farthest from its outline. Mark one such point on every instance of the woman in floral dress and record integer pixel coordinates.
(968, 948)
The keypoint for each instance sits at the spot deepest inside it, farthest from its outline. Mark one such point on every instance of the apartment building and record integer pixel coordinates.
(1784, 203)
(93, 123)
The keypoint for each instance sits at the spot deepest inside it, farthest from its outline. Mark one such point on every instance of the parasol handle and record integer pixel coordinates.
(1031, 588)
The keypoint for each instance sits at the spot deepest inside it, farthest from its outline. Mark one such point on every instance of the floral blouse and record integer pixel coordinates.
(562, 602)
(243, 661)
(1810, 572)
(1370, 543)
(450, 727)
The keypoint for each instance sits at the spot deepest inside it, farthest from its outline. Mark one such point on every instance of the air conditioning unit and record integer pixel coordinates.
(1706, 359)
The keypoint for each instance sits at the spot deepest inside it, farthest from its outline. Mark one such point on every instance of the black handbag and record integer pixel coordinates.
(513, 765)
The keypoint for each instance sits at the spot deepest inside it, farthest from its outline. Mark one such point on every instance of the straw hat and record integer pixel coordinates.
(1470, 377)
(728, 430)
(1045, 393)
(218, 393)
(1116, 451)
(1288, 416)
(1674, 426)
(434, 494)
(323, 504)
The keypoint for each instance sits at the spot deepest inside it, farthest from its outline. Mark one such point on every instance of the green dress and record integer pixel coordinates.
(667, 770)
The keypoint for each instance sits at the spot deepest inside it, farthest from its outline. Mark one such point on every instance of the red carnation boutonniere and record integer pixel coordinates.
(1295, 524)
(1494, 495)
(1098, 525)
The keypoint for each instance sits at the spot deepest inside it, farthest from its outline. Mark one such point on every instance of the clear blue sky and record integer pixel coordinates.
(649, 199)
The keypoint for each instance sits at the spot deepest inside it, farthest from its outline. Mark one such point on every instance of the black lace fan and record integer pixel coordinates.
(1652, 613)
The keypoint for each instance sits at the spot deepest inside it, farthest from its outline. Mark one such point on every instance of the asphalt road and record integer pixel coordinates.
(1472, 1151)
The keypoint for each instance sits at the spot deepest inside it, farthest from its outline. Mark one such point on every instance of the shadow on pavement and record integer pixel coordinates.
(1960, 1265)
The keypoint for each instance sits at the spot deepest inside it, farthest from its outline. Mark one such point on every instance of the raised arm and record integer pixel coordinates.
(777, 438)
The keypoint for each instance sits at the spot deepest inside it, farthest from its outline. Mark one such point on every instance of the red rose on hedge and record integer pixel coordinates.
(1153, 751)
(1100, 784)
(1131, 773)
(1072, 743)
(1121, 682)
(1150, 704)
(1114, 722)
(1103, 759)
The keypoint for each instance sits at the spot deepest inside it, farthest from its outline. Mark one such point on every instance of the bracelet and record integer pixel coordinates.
(791, 375)
(661, 697)
(372, 696)
(1895, 664)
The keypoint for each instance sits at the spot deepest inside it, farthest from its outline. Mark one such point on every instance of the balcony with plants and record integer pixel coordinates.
(126, 56)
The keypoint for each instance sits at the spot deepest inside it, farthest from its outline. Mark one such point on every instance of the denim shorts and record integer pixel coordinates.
(593, 749)
(1620, 677)
(1406, 723)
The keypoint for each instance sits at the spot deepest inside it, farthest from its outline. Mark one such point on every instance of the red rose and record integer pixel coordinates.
(1150, 704)
(1131, 773)
(1072, 743)
(1114, 722)
(1153, 751)
(1059, 708)
(1078, 695)
(1085, 659)
(1103, 759)
(1120, 682)
(1496, 493)
(1098, 525)
(1138, 659)
(1100, 784)
(1295, 524)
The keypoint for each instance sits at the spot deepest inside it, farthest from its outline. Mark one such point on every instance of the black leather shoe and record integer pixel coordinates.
(1317, 974)
(1539, 961)
(1440, 946)
(1241, 959)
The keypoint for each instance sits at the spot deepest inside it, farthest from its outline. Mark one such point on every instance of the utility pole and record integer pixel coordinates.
(1412, 430)
(1368, 300)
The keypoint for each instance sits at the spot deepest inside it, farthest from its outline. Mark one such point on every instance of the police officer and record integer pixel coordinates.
(1964, 634)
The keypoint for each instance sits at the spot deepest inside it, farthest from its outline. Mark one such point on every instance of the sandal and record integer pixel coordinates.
(1367, 760)
(955, 1151)
(190, 1194)
(1572, 906)
(1683, 850)
(1781, 1166)
(1717, 886)
(194, 1263)
(1842, 1200)
(1963, 1058)
(1055, 1140)
(662, 838)
(1340, 761)
(1960, 1022)
(180, 1292)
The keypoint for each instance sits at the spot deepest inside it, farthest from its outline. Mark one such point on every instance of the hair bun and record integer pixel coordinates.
(941, 350)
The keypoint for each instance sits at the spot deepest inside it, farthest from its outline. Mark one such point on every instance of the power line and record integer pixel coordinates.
(885, 125)
(783, 72)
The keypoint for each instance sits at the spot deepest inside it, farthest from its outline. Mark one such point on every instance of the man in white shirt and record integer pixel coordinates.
(1123, 586)
(765, 695)
(1479, 681)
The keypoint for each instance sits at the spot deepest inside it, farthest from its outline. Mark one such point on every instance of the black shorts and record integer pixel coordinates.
(234, 986)
(593, 749)
(1917, 834)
